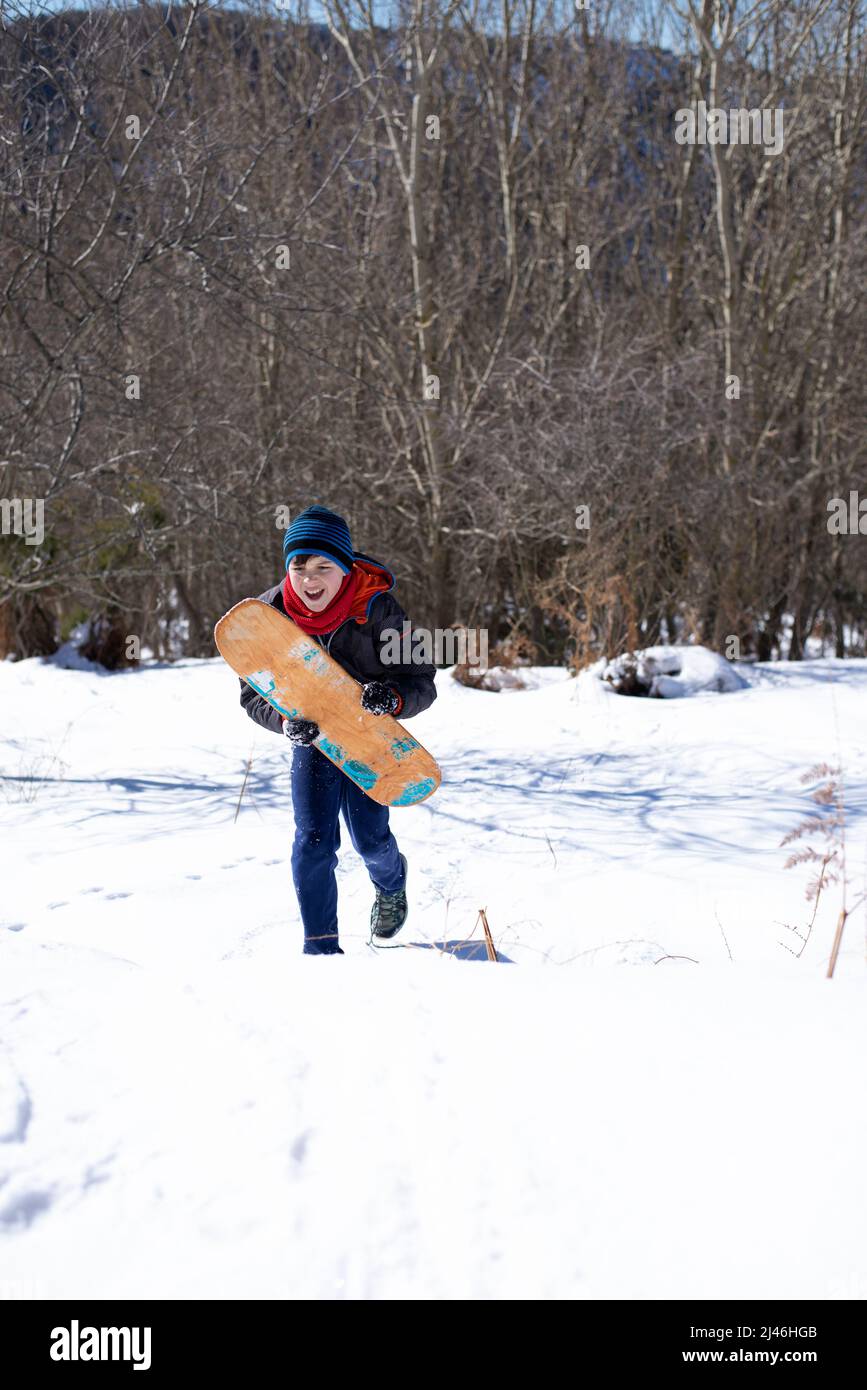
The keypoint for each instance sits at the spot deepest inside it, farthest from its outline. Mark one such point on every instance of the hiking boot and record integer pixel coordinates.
(388, 914)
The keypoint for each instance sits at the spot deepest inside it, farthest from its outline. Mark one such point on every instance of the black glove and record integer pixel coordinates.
(300, 731)
(378, 698)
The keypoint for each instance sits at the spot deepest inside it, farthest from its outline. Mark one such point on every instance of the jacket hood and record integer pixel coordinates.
(373, 579)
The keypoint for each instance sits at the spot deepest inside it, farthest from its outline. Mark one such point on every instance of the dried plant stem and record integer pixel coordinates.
(489, 941)
(838, 937)
(820, 884)
(845, 913)
(243, 785)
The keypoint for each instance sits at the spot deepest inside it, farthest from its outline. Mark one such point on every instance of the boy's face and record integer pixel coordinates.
(315, 580)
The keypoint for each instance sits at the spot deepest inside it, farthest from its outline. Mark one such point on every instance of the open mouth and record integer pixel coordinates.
(314, 594)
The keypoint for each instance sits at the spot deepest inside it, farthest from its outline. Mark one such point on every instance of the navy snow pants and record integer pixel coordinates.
(320, 792)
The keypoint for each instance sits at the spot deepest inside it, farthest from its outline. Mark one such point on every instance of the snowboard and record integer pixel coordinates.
(299, 678)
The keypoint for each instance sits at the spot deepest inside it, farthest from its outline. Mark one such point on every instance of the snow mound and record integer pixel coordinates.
(69, 658)
(665, 672)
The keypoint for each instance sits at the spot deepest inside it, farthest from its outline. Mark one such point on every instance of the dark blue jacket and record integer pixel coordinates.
(356, 646)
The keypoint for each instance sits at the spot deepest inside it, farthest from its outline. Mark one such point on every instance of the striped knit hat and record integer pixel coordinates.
(320, 532)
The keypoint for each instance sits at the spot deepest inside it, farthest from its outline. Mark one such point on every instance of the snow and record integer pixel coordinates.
(651, 1096)
(667, 672)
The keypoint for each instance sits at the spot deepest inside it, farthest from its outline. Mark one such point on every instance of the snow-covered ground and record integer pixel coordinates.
(650, 1097)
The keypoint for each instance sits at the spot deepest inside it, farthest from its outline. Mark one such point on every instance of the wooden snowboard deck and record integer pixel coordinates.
(298, 677)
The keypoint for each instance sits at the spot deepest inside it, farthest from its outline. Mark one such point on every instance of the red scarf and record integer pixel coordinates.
(331, 617)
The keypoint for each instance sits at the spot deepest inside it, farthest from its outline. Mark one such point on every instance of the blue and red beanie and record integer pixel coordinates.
(317, 531)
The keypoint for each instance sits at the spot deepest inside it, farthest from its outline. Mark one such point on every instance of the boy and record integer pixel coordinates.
(343, 600)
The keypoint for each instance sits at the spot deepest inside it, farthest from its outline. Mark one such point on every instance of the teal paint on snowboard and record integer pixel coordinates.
(417, 791)
(401, 746)
(268, 695)
(360, 773)
(331, 750)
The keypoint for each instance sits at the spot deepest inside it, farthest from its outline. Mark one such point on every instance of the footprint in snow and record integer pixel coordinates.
(299, 1147)
(23, 1210)
(109, 897)
(16, 1124)
(52, 906)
